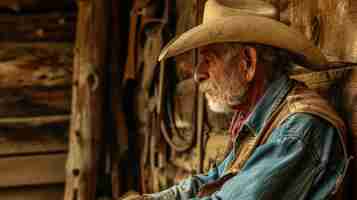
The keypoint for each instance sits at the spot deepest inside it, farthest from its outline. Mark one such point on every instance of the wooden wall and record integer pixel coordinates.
(36, 44)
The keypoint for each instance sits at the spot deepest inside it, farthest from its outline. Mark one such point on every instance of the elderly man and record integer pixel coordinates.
(288, 143)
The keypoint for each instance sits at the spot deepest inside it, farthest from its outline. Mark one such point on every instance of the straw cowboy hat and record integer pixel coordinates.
(246, 21)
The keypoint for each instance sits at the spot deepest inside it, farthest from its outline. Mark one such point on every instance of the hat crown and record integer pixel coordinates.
(217, 9)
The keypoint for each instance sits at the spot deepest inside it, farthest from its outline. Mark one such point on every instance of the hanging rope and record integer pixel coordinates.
(165, 129)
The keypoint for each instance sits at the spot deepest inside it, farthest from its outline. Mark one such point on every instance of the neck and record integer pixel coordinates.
(255, 91)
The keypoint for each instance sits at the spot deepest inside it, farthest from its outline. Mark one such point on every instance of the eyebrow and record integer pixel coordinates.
(207, 51)
(203, 50)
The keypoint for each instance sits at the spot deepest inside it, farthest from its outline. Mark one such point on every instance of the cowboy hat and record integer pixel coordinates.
(245, 21)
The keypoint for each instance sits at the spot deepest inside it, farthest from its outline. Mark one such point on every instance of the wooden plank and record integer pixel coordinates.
(32, 170)
(33, 121)
(26, 110)
(55, 26)
(25, 141)
(330, 24)
(21, 102)
(45, 192)
(86, 130)
(35, 65)
(36, 5)
(53, 98)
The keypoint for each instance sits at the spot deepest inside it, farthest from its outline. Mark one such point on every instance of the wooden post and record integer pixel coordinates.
(87, 112)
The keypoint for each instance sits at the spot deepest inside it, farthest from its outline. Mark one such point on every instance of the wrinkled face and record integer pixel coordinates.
(221, 79)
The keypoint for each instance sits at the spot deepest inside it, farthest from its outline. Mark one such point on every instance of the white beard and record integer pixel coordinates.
(218, 107)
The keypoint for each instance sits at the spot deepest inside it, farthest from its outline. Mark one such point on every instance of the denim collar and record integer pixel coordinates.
(272, 98)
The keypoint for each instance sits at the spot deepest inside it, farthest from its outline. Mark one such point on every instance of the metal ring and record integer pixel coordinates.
(195, 76)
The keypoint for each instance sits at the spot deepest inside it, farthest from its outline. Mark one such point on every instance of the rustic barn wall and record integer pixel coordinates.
(36, 5)
(36, 58)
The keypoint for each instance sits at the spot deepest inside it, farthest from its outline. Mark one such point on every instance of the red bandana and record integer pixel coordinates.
(243, 111)
(236, 123)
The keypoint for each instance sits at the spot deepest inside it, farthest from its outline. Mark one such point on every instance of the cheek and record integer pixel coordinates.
(216, 73)
(234, 86)
(237, 76)
(216, 69)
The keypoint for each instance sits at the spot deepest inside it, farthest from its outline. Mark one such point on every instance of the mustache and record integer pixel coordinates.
(224, 91)
(208, 86)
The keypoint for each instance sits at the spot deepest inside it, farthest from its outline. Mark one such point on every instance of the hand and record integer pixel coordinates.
(209, 189)
(132, 196)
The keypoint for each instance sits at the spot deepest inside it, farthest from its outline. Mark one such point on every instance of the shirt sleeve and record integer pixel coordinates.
(189, 187)
(294, 159)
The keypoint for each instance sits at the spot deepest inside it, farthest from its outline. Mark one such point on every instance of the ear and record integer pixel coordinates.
(250, 59)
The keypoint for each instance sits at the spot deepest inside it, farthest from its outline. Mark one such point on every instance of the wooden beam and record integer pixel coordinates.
(45, 192)
(35, 65)
(33, 121)
(86, 130)
(32, 170)
(59, 99)
(25, 102)
(38, 27)
(25, 141)
(35, 5)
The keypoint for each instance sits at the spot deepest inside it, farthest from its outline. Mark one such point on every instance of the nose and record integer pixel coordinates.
(199, 74)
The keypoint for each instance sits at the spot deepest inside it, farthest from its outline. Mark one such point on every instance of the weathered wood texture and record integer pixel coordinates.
(86, 126)
(33, 121)
(35, 79)
(32, 170)
(25, 102)
(35, 65)
(25, 141)
(38, 27)
(43, 192)
(36, 5)
(36, 59)
(331, 24)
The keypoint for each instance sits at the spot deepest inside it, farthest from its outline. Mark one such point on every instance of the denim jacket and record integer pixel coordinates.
(302, 159)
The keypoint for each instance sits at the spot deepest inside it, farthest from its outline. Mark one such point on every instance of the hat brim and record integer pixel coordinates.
(248, 29)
